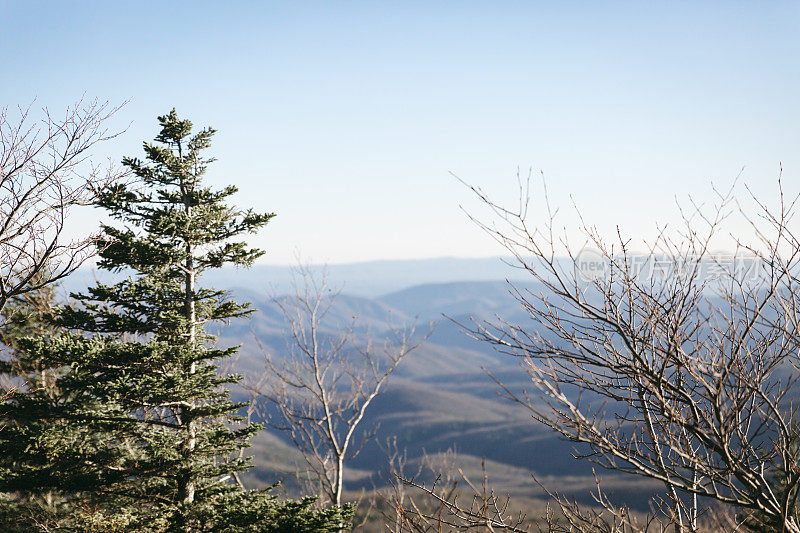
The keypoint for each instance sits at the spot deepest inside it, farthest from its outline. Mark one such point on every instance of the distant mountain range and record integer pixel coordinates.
(370, 279)
(441, 396)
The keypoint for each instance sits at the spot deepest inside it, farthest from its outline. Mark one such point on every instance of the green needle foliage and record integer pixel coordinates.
(27, 378)
(147, 437)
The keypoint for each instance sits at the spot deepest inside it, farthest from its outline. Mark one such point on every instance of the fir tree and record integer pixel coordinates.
(153, 436)
(24, 375)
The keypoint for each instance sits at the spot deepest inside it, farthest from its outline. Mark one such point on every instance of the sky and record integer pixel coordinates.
(349, 119)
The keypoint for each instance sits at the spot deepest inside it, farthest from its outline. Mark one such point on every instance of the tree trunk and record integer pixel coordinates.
(186, 485)
(338, 488)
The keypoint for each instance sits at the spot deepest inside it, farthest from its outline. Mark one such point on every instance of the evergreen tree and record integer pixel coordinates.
(152, 436)
(26, 376)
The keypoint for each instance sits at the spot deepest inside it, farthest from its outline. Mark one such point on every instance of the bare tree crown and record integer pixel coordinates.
(675, 363)
(322, 387)
(44, 172)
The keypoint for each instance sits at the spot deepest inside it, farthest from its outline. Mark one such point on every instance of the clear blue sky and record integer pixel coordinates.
(346, 118)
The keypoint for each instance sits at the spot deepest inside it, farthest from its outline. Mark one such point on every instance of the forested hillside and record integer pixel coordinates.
(441, 397)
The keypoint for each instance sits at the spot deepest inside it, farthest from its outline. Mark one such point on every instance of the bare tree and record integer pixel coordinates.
(676, 364)
(44, 172)
(400, 469)
(322, 388)
(451, 501)
(672, 363)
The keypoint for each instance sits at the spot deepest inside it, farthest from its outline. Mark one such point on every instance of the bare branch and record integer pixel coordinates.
(45, 171)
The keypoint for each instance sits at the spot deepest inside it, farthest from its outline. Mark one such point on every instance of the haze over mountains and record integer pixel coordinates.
(441, 396)
(369, 279)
